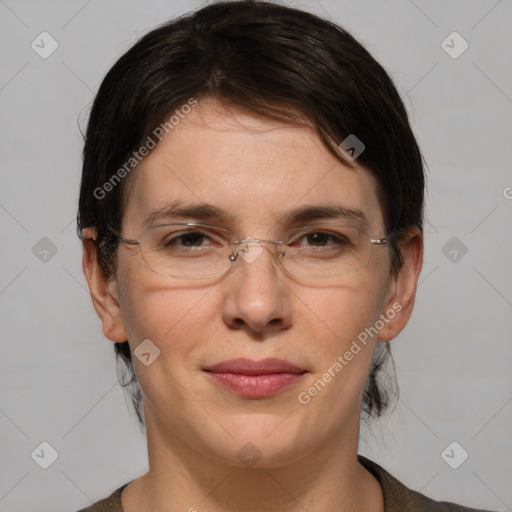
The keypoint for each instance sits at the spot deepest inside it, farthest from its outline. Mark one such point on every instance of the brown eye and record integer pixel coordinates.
(318, 238)
(191, 239)
(322, 239)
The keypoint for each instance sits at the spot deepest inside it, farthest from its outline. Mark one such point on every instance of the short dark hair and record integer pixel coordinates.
(275, 61)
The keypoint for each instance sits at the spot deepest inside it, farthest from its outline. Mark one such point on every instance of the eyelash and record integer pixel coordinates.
(336, 237)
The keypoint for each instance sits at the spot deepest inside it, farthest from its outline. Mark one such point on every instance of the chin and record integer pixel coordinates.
(262, 441)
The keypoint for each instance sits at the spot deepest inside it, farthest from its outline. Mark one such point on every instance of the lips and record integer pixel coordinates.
(255, 379)
(244, 366)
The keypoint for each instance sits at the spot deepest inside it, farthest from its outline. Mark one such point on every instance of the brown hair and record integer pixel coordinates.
(276, 61)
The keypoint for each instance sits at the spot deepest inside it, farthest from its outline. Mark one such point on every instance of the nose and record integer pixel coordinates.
(257, 298)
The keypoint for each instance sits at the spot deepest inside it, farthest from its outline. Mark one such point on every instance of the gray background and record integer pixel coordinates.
(57, 374)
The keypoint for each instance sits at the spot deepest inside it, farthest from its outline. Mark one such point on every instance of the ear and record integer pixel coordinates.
(103, 289)
(399, 301)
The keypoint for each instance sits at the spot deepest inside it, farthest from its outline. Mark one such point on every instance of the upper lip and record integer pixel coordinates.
(244, 366)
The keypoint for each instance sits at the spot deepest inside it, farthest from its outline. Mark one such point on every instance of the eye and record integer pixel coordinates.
(191, 239)
(322, 239)
(188, 239)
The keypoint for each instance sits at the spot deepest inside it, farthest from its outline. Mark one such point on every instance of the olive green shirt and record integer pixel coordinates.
(397, 497)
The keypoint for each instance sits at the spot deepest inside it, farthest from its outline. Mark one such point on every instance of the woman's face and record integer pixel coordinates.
(257, 171)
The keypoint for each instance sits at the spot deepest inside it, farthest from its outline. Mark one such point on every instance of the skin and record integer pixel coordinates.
(257, 169)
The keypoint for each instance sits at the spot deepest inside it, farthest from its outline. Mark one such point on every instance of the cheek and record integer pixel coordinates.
(176, 321)
(341, 312)
(151, 309)
(340, 322)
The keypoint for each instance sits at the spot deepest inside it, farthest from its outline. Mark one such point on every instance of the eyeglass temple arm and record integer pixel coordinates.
(122, 238)
(378, 241)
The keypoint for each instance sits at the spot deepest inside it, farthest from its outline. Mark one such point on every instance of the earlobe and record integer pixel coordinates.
(103, 289)
(400, 299)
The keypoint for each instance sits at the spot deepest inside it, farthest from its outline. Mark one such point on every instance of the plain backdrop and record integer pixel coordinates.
(58, 383)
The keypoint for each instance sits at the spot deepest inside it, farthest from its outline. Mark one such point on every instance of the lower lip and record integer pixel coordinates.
(256, 386)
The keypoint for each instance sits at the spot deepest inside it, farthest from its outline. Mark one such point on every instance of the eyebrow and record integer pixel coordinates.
(207, 212)
(313, 212)
(179, 210)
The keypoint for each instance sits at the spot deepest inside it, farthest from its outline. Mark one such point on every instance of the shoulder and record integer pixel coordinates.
(110, 504)
(399, 498)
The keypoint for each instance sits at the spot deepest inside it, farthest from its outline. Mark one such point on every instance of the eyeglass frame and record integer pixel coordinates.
(236, 253)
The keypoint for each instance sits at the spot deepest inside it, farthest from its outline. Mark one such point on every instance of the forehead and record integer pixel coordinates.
(253, 169)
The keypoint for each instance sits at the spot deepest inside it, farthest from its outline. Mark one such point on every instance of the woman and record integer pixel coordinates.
(251, 213)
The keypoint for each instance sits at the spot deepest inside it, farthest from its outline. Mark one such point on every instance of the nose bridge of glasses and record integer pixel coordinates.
(249, 249)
